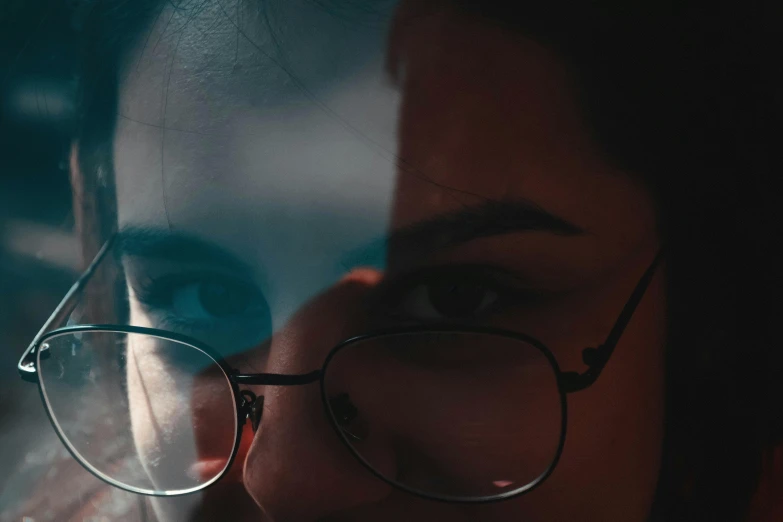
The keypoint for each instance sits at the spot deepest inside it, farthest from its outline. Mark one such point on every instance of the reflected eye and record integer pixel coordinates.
(455, 293)
(447, 299)
(229, 313)
(210, 299)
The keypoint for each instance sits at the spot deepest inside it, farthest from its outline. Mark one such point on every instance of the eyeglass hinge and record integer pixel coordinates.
(27, 368)
(595, 359)
(572, 381)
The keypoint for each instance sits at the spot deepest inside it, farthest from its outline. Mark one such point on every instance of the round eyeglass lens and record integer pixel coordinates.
(147, 414)
(452, 415)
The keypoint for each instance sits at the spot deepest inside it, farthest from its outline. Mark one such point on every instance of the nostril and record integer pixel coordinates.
(344, 410)
(347, 417)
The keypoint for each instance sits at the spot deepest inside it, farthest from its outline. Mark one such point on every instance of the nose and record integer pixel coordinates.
(297, 468)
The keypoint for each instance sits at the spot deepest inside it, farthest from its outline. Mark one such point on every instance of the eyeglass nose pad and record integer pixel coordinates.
(347, 416)
(253, 408)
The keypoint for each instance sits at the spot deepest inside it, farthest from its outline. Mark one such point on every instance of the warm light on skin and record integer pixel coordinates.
(258, 168)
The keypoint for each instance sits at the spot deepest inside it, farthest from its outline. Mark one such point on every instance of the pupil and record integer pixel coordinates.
(221, 301)
(454, 299)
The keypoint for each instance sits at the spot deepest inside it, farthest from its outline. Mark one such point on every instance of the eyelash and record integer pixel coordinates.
(509, 290)
(156, 294)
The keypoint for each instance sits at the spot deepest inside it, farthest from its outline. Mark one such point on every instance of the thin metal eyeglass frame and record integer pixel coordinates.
(568, 382)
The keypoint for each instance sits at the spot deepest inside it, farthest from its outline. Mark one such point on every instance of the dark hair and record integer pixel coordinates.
(689, 96)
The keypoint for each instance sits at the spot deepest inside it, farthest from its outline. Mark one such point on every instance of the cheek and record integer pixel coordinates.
(156, 410)
(615, 427)
(183, 419)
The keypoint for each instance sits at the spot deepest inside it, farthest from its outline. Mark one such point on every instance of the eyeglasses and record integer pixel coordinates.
(451, 414)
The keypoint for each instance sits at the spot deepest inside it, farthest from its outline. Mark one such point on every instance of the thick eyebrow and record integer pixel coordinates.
(158, 243)
(491, 218)
(488, 219)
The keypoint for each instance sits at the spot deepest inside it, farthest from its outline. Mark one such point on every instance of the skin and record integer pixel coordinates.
(253, 165)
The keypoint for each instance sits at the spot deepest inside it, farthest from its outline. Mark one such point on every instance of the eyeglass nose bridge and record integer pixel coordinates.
(252, 406)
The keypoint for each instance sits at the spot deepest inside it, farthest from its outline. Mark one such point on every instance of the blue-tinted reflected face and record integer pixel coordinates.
(280, 190)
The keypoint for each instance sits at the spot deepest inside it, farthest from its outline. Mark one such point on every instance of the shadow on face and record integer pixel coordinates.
(278, 193)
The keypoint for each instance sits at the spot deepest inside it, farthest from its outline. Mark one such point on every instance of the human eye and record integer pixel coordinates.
(214, 308)
(454, 294)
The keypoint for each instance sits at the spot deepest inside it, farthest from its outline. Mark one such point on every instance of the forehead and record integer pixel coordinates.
(274, 126)
(251, 102)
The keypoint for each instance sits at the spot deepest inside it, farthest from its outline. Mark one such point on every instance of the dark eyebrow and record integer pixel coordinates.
(488, 219)
(491, 218)
(158, 243)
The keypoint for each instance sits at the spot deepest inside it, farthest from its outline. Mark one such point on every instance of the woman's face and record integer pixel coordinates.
(289, 176)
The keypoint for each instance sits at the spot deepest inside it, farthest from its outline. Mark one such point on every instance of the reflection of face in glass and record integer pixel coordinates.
(182, 412)
(280, 193)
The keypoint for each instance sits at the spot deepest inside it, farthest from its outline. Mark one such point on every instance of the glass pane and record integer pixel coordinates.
(146, 413)
(450, 414)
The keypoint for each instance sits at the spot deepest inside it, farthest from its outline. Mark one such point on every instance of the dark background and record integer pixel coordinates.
(38, 254)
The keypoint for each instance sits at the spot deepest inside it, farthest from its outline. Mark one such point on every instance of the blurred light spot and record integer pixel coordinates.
(41, 101)
(44, 243)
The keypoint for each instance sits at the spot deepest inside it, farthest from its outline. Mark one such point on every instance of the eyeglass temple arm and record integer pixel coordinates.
(596, 358)
(26, 366)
